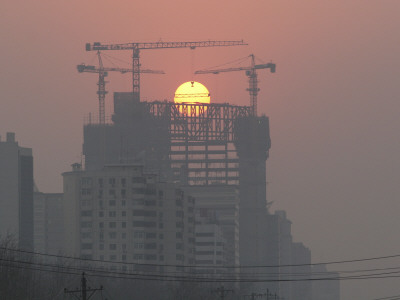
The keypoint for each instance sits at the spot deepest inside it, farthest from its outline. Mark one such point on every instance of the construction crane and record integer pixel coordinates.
(103, 72)
(251, 73)
(136, 47)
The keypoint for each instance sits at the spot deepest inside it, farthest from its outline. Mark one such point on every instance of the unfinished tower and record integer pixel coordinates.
(202, 147)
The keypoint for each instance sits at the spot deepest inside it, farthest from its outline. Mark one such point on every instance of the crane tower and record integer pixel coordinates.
(251, 73)
(103, 72)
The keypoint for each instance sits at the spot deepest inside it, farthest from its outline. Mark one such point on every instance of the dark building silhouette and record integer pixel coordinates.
(16, 192)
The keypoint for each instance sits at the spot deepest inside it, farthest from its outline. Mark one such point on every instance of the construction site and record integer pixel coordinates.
(215, 152)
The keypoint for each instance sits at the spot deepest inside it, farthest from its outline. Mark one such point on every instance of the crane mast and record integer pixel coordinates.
(136, 47)
(103, 72)
(251, 73)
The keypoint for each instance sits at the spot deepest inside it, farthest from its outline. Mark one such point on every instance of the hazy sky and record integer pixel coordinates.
(333, 102)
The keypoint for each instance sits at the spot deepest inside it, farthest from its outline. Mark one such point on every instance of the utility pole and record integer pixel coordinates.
(83, 291)
(254, 296)
(222, 292)
(267, 295)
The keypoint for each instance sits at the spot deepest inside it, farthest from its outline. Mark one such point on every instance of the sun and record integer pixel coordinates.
(191, 92)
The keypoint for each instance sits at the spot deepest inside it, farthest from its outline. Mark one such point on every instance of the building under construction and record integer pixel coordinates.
(198, 146)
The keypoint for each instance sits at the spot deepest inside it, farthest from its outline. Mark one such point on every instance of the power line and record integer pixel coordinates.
(207, 266)
(157, 277)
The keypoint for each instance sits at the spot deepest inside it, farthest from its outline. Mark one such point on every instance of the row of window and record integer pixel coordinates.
(136, 212)
(145, 224)
(87, 181)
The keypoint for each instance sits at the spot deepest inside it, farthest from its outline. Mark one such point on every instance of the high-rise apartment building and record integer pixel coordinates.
(48, 222)
(211, 246)
(16, 192)
(121, 214)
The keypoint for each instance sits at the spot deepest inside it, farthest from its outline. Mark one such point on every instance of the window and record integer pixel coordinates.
(113, 257)
(101, 225)
(112, 224)
(123, 213)
(179, 235)
(123, 193)
(150, 202)
(112, 203)
(138, 245)
(151, 246)
(101, 236)
(86, 192)
(100, 195)
(86, 213)
(151, 235)
(112, 214)
(86, 235)
(123, 182)
(86, 224)
(179, 224)
(86, 181)
(205, 244)
(179, 213)
(100, 181)
(123, 224)
(111, 181)
(144, 213)
(101, 214)
(144, 224)
(138, 256)
(179, 257)
(138, 191)
(205, 234)
(138, 180)
(113, 246)
(86, 246)
(112, 235)
(151, 257)
(179, 246)
(123, 235)
(111, 192)
(101, 246)
(123, 203)
(139, 235)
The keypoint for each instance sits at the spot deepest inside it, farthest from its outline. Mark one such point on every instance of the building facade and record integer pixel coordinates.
(121, 215)
(48, 229)
(16, 192)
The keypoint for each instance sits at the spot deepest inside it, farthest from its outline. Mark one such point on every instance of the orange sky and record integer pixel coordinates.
(333, 102)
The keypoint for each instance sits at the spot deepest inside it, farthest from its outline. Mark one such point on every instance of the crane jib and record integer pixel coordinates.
(157, 45)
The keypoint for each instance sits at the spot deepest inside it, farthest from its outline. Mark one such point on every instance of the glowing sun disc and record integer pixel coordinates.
(192, 92)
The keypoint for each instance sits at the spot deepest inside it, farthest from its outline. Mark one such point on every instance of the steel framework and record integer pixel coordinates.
(202, 140)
